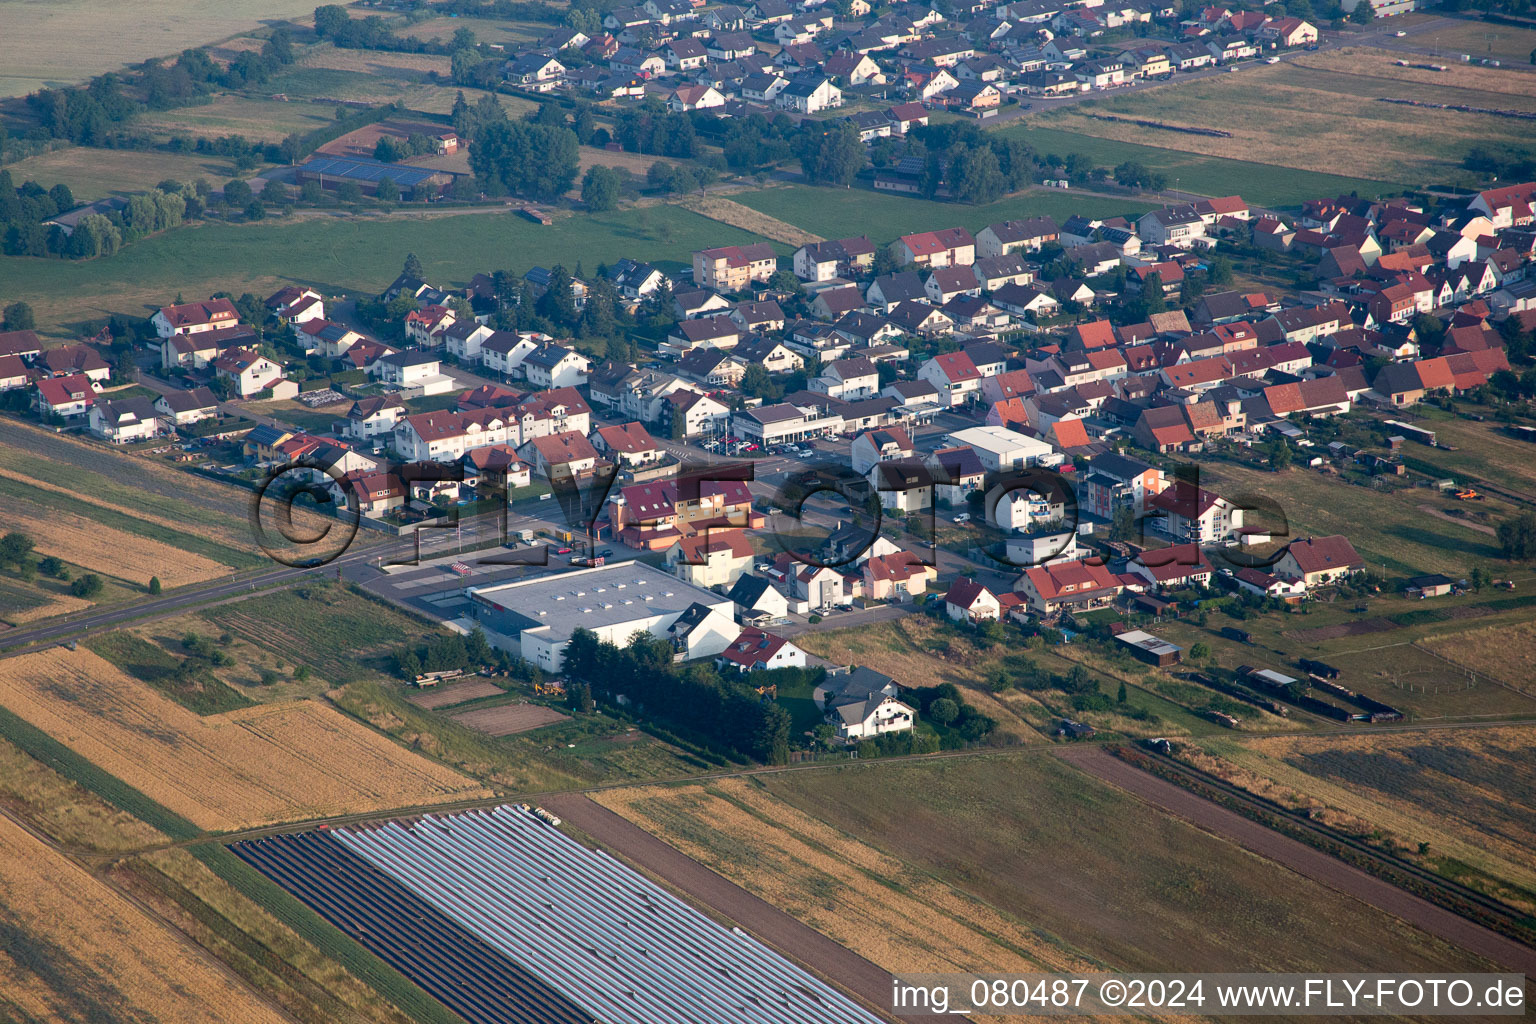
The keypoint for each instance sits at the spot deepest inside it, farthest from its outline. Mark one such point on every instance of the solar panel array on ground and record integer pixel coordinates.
(576, 922)
(367, 170)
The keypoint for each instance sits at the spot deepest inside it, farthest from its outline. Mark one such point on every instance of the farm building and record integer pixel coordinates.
(536, 617)
(332, 171)
(1150, 649)
(1434, 585)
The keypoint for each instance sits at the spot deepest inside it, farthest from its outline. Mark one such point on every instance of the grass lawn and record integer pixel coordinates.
(1107, 874)
(844, 213)
(342, 254)
(1267, 184)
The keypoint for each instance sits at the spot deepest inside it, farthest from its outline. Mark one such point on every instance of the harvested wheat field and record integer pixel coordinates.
(110, 552)
(75, 950)
(728, 211)
(1505, 653)
(256, 766)
(892, 915)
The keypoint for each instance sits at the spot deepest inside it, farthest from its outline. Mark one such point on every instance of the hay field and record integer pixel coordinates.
(1480, 39)
(1505, 653)
(241, 769)
(883, 909)
(735, 214)
(1322, 113)
(112, 552)
(1469, 794)
(57, 42)
(75, 950)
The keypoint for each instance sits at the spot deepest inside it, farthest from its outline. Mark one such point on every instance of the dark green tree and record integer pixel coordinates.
(600, 188)
(18, 317)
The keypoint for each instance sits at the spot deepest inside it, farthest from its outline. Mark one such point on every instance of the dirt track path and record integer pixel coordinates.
(799, 942)
(1305, 860)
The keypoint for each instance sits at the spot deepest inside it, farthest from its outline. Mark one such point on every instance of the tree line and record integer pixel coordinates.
(692, 698)
(87, 114)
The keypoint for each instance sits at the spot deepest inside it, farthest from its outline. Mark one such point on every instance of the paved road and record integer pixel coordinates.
(798, 941)
(1303, 859)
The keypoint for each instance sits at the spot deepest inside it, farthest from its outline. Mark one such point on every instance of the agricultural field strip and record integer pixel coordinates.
(231, 771)
(100, 548)
(101, 949)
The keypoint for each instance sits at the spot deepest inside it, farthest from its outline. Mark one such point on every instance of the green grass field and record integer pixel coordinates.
(343, 255)
(841, 213)
(1104, 872)
(1205, 175)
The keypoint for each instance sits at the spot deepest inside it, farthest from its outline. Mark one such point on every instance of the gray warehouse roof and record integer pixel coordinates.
(589, 599)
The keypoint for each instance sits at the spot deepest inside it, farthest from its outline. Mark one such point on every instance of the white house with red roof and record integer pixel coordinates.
(67, 397)
(195, 317)
(565, 453)
(13, 373)
(628, 444)
(969, 601)
(943, 248)
(754, 650)
(899, 576)
(1318, 561)
(1173, 567)
(954, 376)
(1082, 585)
(713, 558)
(1508, 205)
(1189, 513)
(249, 372)
(880, 445)
(422, 324)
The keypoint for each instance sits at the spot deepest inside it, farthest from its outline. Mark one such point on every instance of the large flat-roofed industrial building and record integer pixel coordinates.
(613, 601)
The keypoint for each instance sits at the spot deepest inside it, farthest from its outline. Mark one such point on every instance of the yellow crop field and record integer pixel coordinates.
(110, 552)
(241, 769)
(894, 916)
(106, 960)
